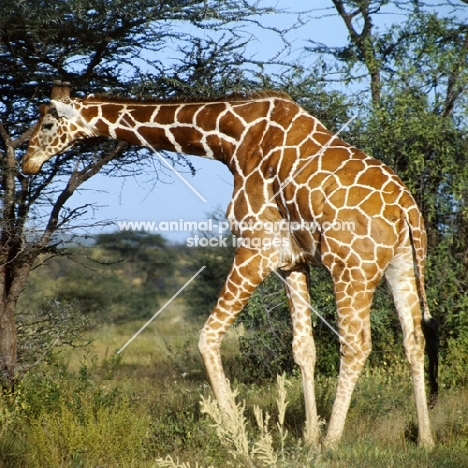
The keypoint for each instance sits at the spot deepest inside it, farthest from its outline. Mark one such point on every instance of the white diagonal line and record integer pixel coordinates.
(322, 149)
(161, 309)
(340, 338)
(156, 152)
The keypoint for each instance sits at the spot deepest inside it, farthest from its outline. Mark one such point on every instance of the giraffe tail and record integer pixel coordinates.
(429, 324)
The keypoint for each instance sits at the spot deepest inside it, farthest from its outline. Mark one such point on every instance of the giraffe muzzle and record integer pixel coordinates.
(30, 167)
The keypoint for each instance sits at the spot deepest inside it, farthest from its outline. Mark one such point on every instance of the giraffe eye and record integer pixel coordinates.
(47, 126)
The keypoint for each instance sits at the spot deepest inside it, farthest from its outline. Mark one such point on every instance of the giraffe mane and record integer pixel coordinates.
(236, 96)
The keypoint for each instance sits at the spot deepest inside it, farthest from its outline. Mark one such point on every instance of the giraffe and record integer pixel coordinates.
(289, 171)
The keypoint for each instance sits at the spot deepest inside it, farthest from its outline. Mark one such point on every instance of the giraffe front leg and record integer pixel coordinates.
(249, 269)
(353, 308)
(304, 348)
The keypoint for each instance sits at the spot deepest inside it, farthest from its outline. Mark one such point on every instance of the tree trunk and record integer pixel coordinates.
(12, 282)
(14, 265)
(7, 344)
(364, 43)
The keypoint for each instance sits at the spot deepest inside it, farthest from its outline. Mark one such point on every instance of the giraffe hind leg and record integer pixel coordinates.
(401, 280)
(353, 307)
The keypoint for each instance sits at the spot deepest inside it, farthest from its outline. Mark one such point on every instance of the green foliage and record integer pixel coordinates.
(265, 348)
(98, 46)
(453, 371)
(121, 277)
(65, 419)
(98, 416)
(217, 261)
(178, 424)
(42, 330)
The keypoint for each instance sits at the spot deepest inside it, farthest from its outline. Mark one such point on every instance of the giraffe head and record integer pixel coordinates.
(60, 125)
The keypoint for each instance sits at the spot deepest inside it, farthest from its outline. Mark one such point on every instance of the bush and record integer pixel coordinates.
(265, 348)
(43, 329)
(62, 419)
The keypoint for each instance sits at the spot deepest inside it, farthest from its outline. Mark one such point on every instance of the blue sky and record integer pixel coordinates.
(144, 198)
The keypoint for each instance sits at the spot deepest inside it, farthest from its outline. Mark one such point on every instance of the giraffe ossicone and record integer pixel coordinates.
(287, 167)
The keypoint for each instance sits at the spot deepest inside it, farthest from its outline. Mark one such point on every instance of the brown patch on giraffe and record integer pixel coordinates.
(382, 231)
(288, 158)
(102, 127)
(303, 199)
(166, 115)
(272, 160)
(221, 146)
(315, 182)
(352, 259)
(372, 205)
(349, 171)
(308, 149)
(254, 187)
(186, 114)
(90, 112)
(191, 141)
(391, 193)
(128, 134)
(283, 113)
(249, 112)
(333, 159)
(271, 138)
(354, 166)
(357, 274)
(206, 118)
(155, 136)
(301, 128)
(374, 177)
(111, 112)
(364, 247)
(372, 271)
(384, 255)
(357, 195)
(392, 213)
(325, 137)
(337, 196)
(231, 125)
(141, 113)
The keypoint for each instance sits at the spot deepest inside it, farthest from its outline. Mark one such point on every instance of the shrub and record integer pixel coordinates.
(64, 419)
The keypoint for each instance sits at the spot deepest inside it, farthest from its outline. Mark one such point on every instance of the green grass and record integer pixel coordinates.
(93, 409)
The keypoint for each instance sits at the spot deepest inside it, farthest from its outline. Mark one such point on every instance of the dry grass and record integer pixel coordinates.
(161, 381)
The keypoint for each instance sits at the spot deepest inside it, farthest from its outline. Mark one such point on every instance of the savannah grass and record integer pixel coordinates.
(152, 407)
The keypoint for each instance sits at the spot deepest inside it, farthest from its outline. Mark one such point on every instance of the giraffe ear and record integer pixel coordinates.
(64, 110)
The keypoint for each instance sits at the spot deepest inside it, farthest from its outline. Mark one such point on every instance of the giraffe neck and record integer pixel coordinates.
(217, 130)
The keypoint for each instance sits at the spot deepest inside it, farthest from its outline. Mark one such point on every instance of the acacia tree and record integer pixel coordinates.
(115, 46)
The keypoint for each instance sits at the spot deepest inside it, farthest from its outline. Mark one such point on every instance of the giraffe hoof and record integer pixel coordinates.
(427, 443)
(329, 446)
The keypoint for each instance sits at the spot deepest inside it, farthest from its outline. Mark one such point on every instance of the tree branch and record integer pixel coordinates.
(454, 89)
